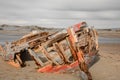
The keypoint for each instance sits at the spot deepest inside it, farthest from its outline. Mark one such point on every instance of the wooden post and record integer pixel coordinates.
(48, 56)
(72, 49)
(36, 58)
(54, 45)
(82, 64)
(72, 40)
(18, 58)
(61, 52)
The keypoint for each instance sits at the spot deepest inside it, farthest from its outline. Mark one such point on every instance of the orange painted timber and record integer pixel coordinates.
(74, 64)
(14, 64)
(46, 68)
(51, 69)
(80, 56)
(58, 68)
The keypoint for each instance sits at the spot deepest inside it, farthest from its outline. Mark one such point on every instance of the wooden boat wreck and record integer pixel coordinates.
(74, 47)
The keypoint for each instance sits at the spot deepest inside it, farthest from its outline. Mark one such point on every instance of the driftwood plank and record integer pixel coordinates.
(48, 56)
(57, 38)
(36, 58)
(61, 53)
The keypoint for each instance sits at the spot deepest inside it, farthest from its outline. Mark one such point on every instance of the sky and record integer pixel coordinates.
(61, 13)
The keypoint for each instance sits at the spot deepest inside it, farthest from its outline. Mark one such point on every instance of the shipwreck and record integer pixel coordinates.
(76, 46)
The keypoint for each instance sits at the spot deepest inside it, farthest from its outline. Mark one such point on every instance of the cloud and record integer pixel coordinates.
(60, 12)
(82, 5)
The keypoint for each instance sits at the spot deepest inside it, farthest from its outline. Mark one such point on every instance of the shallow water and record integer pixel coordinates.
(10, 38)
(108, 40)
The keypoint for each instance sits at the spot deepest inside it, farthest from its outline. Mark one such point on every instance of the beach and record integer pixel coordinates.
(107, 68)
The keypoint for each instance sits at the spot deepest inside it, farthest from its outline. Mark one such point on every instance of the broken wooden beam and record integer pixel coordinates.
(35, 57)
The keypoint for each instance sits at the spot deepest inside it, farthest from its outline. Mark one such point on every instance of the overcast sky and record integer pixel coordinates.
(61, 13)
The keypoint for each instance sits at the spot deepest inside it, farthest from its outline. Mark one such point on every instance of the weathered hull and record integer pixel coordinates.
(75, 47)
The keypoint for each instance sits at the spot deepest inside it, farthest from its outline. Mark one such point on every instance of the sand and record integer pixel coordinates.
(108, 67)
(110, 34)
